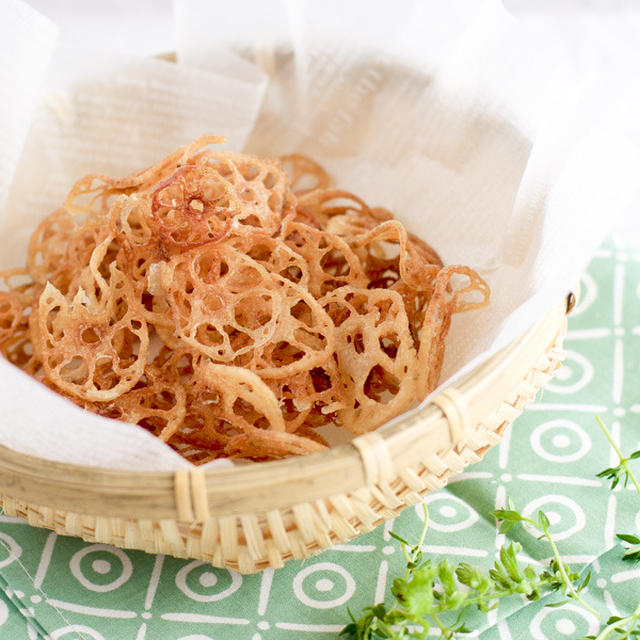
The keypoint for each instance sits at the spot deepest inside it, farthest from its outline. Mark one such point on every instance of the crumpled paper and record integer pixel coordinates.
(26, 45)
(473, 129)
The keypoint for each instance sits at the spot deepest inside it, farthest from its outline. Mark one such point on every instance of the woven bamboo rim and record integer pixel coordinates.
(252, 517)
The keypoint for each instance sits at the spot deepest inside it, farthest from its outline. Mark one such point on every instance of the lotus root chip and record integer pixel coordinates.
(93, 346)
(449, 297)
(389, 256)
(157, 403)
(11, 308)
(310, 399)
(223, 303)
(332, 263)
(376, 356)
(225, 401)
(260, 445)
(193, 206)
(306, 175)
(303, 337)
(261, 185)
(232, 305)
(62, 246)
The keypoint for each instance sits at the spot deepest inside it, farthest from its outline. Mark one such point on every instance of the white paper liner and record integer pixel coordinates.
(26, 45)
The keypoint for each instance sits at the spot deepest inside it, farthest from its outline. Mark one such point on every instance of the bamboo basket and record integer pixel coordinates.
(248, 518)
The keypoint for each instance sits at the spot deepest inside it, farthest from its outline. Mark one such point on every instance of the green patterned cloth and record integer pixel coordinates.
(62, 588)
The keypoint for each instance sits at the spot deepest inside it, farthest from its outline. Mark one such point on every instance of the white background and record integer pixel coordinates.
(599, 33)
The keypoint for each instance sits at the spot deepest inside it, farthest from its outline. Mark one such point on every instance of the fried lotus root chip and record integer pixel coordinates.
(193, 453)
(194, 206)
(12, 305)
(331, 262)
(93, 346)
(95, 193)
(305, 174)
(267, 445)
(157, 403)
(303, 338)
(230, 308)
(131, 221)
(139, 256)
(62, 246)
(376, 356)
(17, 299)
(223, 303)
(201, 203)
(225, 401)
(245, 400)
(262, 186)
(20, 351)
(48, 246)
(310, 398)
(388, 257)
(274, 255)
(457, 289)
(320, 206)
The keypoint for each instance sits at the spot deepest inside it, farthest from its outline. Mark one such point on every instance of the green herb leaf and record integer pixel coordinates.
(507, 515)
(543, 520)
(628, 538)
(398, 538)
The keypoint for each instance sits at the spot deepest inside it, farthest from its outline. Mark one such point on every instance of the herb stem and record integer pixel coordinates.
(496, 595)
(417, 548)
(606, 632)
(423, 533)
(567, 581)
(443, 629)
(623, 460)
(405, 553)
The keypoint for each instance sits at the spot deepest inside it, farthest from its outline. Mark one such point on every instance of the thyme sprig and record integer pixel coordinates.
(622, 472)
(510, 517)
(628, 627)
(431, 594)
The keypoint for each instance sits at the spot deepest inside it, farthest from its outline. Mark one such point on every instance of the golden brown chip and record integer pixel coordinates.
(274, 255)
(388, 257)
(11, 306)
(18, 294)
(303, 338)
(231, 309)
(223, 303)
(330, 260)
(449, 297)
(311, 398)
(93, 345)
(157, 403)
(320, 206)
(376, 357)
(225, 401)
(261, 185)
(306, 175)
(194, 206)
(261, 445)
(61, 247)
